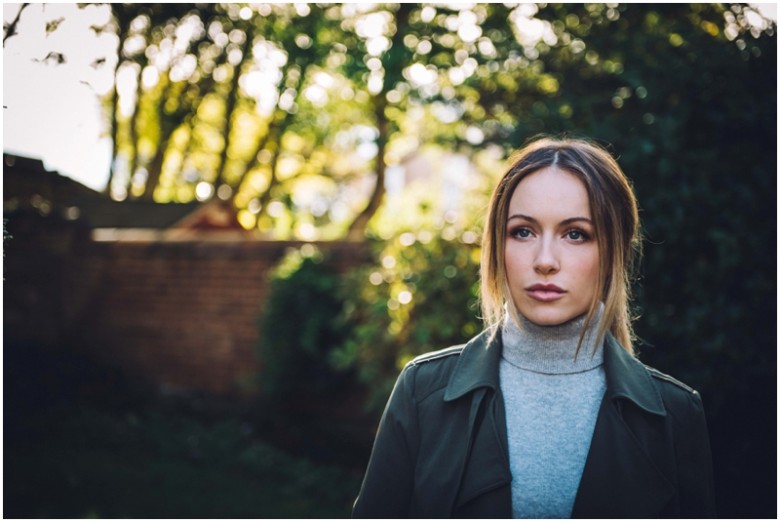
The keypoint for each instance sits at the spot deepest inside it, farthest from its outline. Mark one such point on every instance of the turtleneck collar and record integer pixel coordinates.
(552, 349)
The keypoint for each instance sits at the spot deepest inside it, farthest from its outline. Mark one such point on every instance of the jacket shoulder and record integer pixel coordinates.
(660, 376)
(438, 354)
(431, 372)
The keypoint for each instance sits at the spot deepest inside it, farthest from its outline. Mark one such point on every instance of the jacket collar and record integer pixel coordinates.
(626, 377)
(477, 365)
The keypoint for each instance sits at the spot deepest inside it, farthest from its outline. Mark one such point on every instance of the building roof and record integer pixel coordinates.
(28, 184)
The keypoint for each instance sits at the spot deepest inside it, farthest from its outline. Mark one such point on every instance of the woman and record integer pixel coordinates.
(547, 413)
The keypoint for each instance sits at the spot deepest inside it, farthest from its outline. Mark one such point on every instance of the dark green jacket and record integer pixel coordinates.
(441, 447)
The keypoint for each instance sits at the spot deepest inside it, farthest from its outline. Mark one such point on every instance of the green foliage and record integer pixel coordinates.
(419, 295)
(83, 441)
(93, 464)
(324, 332)
(299, 327)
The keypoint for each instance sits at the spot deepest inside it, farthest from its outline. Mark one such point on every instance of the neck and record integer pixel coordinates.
(552, 349)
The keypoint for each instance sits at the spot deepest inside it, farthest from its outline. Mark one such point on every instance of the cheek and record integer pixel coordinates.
(589, 270)
(515, 260)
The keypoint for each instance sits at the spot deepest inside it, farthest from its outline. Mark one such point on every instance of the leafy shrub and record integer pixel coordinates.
(420, 294)
(95, 463)
(300, 324)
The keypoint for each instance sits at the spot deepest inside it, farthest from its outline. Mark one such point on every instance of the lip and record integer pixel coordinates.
(545, 292)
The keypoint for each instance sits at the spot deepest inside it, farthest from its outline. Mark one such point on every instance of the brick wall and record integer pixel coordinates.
(182, 315)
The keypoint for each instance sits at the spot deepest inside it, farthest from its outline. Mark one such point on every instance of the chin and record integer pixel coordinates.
(553, 321)
(547, 317)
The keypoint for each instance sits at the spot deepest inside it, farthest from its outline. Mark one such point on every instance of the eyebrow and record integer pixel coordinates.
(566, 221)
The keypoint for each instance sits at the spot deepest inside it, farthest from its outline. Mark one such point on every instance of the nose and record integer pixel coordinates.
(546, 261)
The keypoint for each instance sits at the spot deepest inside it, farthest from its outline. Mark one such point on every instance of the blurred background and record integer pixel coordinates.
(228, 226)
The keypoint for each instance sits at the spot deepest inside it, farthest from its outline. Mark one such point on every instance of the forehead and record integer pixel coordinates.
(550, 192)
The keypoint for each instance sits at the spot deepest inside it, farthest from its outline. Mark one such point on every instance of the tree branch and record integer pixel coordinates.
(10, 29)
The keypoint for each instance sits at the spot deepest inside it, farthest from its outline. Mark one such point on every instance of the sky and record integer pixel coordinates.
(52, 111)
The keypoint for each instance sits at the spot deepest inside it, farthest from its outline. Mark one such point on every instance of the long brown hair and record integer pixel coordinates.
(616, 222)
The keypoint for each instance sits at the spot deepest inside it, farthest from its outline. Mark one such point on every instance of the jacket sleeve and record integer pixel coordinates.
(697, 490)
(387, 486)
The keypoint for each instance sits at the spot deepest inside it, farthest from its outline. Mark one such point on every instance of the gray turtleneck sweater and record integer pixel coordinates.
(552, 400)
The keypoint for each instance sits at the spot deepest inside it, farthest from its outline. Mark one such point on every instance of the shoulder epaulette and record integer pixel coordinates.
(439, 354)
(668, 378)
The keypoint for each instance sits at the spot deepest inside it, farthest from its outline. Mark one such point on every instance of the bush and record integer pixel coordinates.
(81, 441)
(99, 464)
(300, 325)
(420, 294)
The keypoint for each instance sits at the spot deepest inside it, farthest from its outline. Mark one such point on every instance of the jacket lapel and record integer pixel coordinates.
(621, 477)
(486, 462)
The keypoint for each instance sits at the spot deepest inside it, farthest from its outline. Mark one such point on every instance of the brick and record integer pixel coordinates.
(180, 315)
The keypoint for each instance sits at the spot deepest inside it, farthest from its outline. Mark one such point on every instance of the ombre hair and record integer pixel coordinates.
(615, 218)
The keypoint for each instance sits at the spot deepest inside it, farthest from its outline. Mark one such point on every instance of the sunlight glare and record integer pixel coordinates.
(419, 75)
(203, 191)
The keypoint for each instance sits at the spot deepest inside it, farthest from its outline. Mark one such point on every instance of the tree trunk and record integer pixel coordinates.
(154, 171)
(123, 27)
(168, 123)
(230, 107)
(357, 230)
(134, 123)
(393, 62)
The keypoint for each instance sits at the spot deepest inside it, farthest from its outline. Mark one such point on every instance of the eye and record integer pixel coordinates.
(520, 233)
(576, 234)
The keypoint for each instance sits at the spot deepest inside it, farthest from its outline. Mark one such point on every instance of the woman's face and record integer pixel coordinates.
(551, 253)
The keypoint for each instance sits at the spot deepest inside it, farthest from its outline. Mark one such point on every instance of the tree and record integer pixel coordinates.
(189, 133)
(201, 59)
